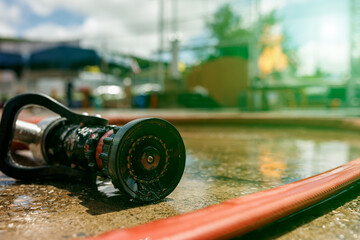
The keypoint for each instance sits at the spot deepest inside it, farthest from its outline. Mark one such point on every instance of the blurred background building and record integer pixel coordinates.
(250, 55)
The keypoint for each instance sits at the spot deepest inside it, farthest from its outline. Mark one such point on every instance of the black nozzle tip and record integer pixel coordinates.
(146, 159)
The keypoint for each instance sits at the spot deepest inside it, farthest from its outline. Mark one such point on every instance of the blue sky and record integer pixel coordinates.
(30, 18)
(318, 29)
(59, 17)
(304, 19)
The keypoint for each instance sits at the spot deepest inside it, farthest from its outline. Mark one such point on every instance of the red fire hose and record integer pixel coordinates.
(241, 215)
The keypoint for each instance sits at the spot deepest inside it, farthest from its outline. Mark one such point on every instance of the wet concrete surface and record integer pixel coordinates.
(222, 163)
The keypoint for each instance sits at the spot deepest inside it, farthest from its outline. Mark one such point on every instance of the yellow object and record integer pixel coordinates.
(272, 57)
(181, 67)
(92, 69)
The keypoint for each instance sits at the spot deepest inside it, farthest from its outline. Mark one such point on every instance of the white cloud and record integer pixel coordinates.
(117, 25)
(130, 26)
(7, 31)
(101, 33)
(128, 11)
(102, 28)
(140, 16)
(267, 6)
(307, 59)
(39, 8)
(10, 15)
(330, 57)
(52, 32)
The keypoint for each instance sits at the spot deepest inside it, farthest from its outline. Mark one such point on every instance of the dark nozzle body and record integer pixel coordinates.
(144, 158)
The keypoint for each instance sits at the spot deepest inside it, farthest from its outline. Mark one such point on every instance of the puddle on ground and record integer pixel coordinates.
(222, 163)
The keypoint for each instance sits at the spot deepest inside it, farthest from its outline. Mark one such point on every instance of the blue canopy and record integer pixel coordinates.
(63, 57)
(11, 61)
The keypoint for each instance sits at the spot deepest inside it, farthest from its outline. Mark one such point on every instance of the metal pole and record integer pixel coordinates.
(175, 42)
(354, 53)
(161, 44)
(254, 53)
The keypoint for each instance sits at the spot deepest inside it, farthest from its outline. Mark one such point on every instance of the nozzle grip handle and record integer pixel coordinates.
(10, 112)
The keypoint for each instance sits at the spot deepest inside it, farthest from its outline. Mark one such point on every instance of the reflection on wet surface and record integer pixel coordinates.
(222, 163)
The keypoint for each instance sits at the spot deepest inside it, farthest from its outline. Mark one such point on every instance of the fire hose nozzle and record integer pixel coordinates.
(144, 159)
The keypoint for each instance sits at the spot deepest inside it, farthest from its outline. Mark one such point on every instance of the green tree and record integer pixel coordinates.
(226, 27)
